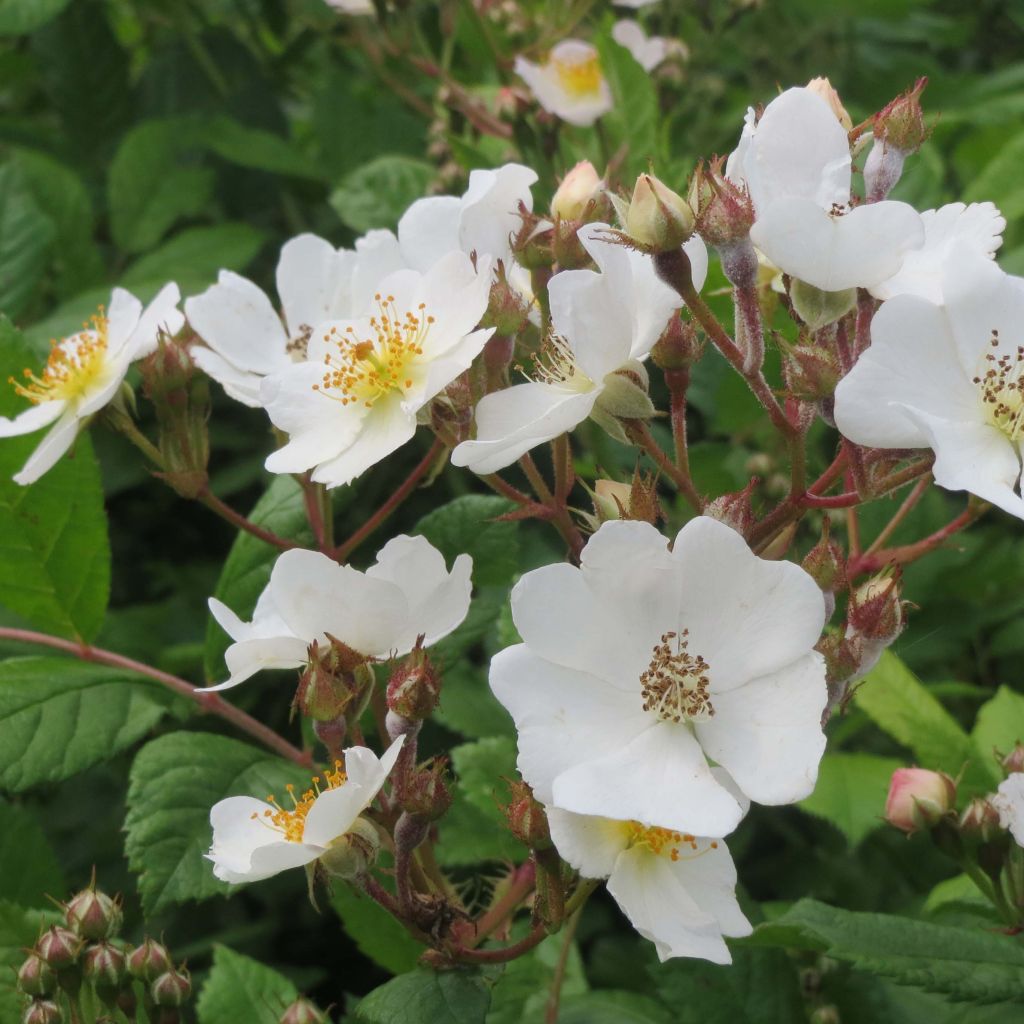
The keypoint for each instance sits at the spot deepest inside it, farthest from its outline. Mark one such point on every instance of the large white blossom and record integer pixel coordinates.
(379, 613)
(1009, 802)
(254, 839)
(949, 378)
(85, 371)
(569, 83)
(355, 398)
(602, 321)
(677, 889)
(796, 163)
(644, 663)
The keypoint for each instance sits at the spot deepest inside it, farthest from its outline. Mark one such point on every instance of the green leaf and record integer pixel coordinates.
(26, 235)
(29, 871)
(428, 997)
(999, 181)
(613, 1007)
(19, 929)
(474, 829)
(521, 993)
(197, 254)
(59, 717)
(851, 792)
(467, 704)
(174, 782)
(958, 889)
(18, 17)
(281, 510)
(378, 193)
(241, 989)
(258, 149)
(377, 934)
(999, 725)
(964, 964)
(634, 117)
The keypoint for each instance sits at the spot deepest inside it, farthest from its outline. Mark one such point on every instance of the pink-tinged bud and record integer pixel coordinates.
(425, 792)
(810, 371)
(42, 1011)
(735, 509)
(1014, 760)
(580, 189)
(875, 611)
(980, 821)
(679, 346)
(105, 966)
(724, 210)
(93, 915)
(658, 219)
(302, 1011)
(414, 688)
(328, 687)
(36, 977)
(900, 125)
(825, 562)
(172, 988)
(526, 818)
(148, 961)
(59, 947)
(823, 88)
(918, 798)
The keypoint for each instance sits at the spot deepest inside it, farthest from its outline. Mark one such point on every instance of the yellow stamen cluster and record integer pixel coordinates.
(666, 841)
(291, 822)
(72, 367)
(1002, 390)
(363, 369)
(675, 685)
(579, 77)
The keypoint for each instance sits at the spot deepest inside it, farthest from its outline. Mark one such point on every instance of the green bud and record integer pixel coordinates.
(658, 218)
(352, 855)
(818, 308)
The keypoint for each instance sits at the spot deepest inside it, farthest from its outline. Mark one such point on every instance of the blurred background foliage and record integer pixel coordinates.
(142, 142)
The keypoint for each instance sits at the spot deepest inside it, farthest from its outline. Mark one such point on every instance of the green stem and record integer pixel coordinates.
(641, 436)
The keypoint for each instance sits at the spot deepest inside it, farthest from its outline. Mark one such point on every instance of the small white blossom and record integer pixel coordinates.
(1009, 802)
(949, 378)
(643, 664)
(85, 371)
(648, 51)
(569, 83)
(255, 839)
(379, 613)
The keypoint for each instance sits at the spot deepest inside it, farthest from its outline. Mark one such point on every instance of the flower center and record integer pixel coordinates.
(675, 684)
(579, 75)
(1002, 390)
(290, 822)
(72, 368)
(363, 369)
(665, 842)
(554, 364)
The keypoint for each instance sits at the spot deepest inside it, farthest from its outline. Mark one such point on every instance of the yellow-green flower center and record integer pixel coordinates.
(73, 367)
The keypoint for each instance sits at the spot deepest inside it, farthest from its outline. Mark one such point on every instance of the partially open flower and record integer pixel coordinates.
(254, 839)
(569, 83)
(579, 188)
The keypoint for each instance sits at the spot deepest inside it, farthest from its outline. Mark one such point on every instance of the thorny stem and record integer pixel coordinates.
(561, 457)
(678, 382)
(901, 513)
(342, 552)
(506, 490)
(211, 702)
(518, 889)
(748, 309)
(641, 435)
(560, 513)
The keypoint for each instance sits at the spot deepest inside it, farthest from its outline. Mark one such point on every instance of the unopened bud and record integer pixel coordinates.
(810, 371)
(679, 346)
(328, 687)
(425, 792)
(735, 509)
(900, 125)
(568, 250)
(42, 1011)
(724, 210)
(105, 966)
(532, 243)
(171, 989)
(611, 500)
(352, 855)
(36, 977)
(823, 88)
(658, 219)
(302, 1011)
(93, 915)
(59, 947)
(825, 563)
(414, 688)
(980, 821)
(507, 310)
(918, 798)
(875, 611)
(844, 656)
(624, 395)
(818, 308)
(148, 961)
(451, 412)
(1014, 760)
(580, 189)
(526, 817)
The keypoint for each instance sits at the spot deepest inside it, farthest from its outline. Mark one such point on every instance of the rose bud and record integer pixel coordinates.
(1014, 760)
(658, 218)
(171, 989)
(148, 961)
(526, 817)
(579, 189)
(42, 1011)
(302, 1011)
(59, 947)
(918, 798)
(93, 915)
(36, 977)
(980, 821)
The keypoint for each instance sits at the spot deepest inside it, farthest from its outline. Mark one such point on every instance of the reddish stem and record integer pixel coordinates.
(519, 888)
(643, 438)
(226, 512)
(844, 500)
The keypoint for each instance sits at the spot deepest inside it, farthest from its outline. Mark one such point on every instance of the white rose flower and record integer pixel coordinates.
(642, 664)
(85, 371)
(379, 613)
(1009, 802)
(796, 163)
(354, 400)
(949, 378)
(648, 51)
(677, 889)
(569, 83)
(254, 839)
(602, 321)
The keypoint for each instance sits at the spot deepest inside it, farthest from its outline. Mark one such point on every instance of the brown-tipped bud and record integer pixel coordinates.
(900, 125)
(979, 822)
(42, 1011)
(328, 687)
(810, 371)
(823, 87)
(843, 658)
(875, 611)
(526, 817)
(93, 915)
(302, 1011)
(425, 792)
(352, 855)
(919, 798)
(735, 509)
(1014, 760)
(148, 961)
(507, 310)
(36, 977)
(532, 242)
(658, 219)
(679, 346)
(724, 210)
(580, 190)
(414, 688)
(105, 966)
(59, 947)
(825, 563)
(566, 246)
(172, 988)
